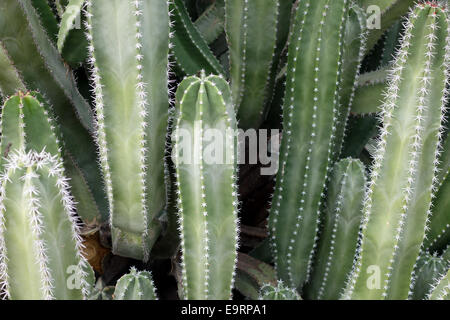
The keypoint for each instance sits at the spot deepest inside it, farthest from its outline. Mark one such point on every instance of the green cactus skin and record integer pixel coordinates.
(72, 11)
(207, 193)
(211, 23)
(136, 285)
(438, 233)
(391, 11)
(131, 96)
(369, 92)
(429, 268)
(309, 121)
(402, 180)
(40, 67)
(353, 53)
(441, 289)
(39, 236)
(280, 292)
(251, 28)
(190, 49)
(10, 80)
(339, 238)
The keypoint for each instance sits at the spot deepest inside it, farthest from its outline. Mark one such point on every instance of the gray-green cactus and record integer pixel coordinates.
(279, 292)
(429, 268)
(205, 155)
(339, 237)
(39, 233)
(402, 182)
(136, 285)
(310, 119)
(131, 98)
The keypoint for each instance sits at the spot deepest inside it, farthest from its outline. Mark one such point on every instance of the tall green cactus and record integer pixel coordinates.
(339, 238)
(136, 285)
(129, 58)
(207, 190)
(398, 199)
(39, 237)
(252, 33)
(309, 119)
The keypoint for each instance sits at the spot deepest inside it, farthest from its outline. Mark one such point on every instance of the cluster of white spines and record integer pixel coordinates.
(244, 55)
(35, 161)
(444, 288)
(287, 124)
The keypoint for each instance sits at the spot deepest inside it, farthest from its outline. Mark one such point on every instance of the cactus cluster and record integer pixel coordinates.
(129, 130)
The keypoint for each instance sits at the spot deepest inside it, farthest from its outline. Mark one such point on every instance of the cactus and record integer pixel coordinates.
(398, 199)
(39, 235)
(339, 238)
(429, 268)
(136, 285)
(251, 31)
(441, 288)
(39, 66)
(309, 121)
(132, 111)
(207, 188)
(279, 292)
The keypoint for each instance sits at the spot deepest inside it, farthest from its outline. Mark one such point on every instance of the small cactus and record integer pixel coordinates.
(136, 285)
(207, 190)
(39, 234)
(398, 199)
(278, 292)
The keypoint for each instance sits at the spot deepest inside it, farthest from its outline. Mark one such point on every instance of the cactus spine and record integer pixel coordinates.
(441, 289)
(309, 124)
(251, 31)
(279, 292)
(402, 180)
(136, 285)
(207, 190)
(132, 109)
(339, 238)
(39, 242)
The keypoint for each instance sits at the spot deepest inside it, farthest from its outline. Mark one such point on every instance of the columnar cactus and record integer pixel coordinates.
(280, 292)
(310, 116)
(136, 285)
(129, 58)
(252, 33)
(205, 159)
(339, 238)
(402, 180)
(39, 238)
(429, 268)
